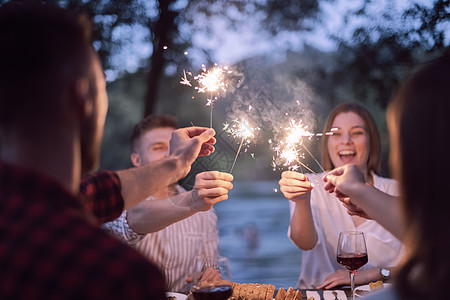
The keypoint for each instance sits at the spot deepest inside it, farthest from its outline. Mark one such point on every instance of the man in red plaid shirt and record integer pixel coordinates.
(53, 106)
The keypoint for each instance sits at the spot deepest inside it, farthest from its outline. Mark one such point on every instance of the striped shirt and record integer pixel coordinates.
(175, 247)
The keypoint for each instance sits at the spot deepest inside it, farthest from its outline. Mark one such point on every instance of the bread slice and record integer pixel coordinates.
(236, 289)
(243, 291)
(298, 295)
(262, 288)
(254, 291)
(269, 292)
(290, 294)
(280, 294)
(376, 285)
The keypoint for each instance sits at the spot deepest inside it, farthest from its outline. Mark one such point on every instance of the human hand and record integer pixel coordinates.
(353, 209)
(344, 180)
(295, 186)
(188, 143)
(341, 277)
(209, 188)
(210, 274)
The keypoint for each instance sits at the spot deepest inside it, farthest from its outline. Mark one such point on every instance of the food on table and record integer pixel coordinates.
(254, 291)
(376, 285)
(372, 287)
(281, 294)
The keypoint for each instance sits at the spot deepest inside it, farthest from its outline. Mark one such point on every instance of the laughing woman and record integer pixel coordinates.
(317, 216)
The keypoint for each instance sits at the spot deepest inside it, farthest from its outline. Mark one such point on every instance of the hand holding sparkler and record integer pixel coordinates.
(188, 143)
(295, 186)
(210, 187)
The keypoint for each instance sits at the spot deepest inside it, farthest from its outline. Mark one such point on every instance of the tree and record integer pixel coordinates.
(163, 19)
(378, 55)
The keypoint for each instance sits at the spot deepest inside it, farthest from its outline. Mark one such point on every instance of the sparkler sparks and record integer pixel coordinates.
(240, 129)
(212, 81)
(288, 150)
(184, 79)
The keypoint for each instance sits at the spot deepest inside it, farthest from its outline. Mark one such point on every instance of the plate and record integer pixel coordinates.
(179, 296)
(363, 290)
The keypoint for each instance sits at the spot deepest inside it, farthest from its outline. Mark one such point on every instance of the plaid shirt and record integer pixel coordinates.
(50, 248)
(100, 193)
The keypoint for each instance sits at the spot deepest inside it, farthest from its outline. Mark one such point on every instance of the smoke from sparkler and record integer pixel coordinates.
(278, 99)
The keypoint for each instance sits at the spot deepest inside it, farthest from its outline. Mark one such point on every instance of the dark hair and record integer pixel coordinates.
(43, 47)
(151, 122)
(420, 117)
(373, 162)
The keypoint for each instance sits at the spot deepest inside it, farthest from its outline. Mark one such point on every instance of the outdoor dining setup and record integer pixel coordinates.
(311, 168)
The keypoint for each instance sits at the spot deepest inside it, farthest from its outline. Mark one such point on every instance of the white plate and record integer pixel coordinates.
(177, 295)
(366, 288)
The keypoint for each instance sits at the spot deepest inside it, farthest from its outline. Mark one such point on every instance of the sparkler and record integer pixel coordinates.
(212, 81)
(184, 79)
(288, 149)
(240, 129)
(215, 82)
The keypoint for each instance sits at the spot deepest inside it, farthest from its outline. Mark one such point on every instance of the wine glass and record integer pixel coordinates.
(211, 278)
(352, 253)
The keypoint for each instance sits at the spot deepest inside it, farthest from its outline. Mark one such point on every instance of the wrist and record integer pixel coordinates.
(194, 198)
(385, 274)
(176, 165)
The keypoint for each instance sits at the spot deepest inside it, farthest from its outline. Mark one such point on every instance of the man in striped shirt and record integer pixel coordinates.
(188, 226)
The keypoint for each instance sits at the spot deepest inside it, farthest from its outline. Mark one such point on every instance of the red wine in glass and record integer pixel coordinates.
(352, 261)
(352, 253)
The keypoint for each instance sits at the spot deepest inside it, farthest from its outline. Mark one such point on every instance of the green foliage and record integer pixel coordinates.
(125, 110)
(366, 67)
(378, 56)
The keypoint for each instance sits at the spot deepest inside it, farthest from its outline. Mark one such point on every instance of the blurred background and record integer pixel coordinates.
(289, 60)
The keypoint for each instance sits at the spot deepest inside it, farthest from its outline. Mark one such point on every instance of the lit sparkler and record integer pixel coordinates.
(184, 79)
(212, 81)
(288, 150)
(240, 129)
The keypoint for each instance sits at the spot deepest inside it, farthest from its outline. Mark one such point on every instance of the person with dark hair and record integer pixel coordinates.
(317, 217)
(172, 233)
(418, 110)
(53, 105)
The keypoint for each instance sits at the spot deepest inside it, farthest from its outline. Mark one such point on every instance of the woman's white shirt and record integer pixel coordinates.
(330, 218)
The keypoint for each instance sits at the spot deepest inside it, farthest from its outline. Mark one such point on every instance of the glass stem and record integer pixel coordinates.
(352, 283)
